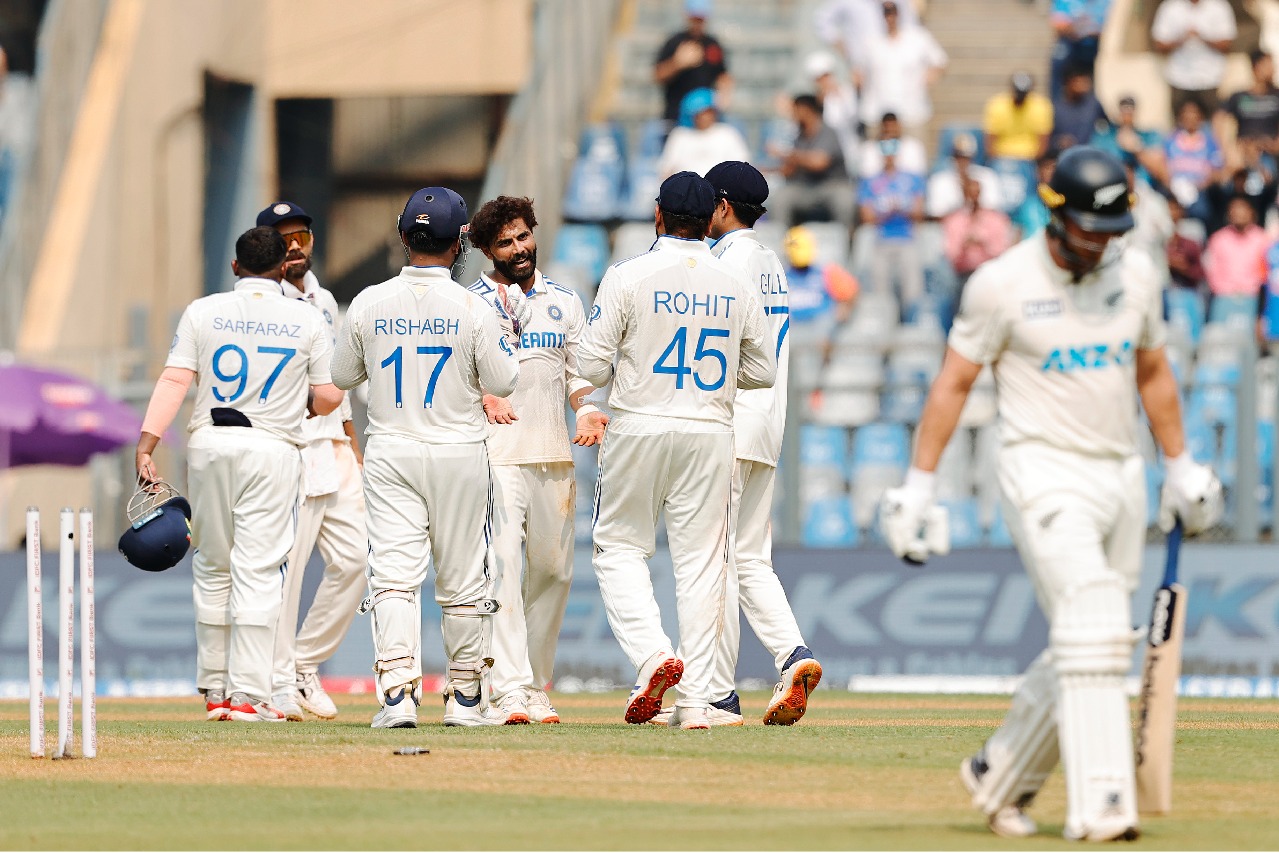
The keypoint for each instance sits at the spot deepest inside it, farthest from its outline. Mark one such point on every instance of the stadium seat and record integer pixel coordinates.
(832, 241)
(946, 140)
(998, 536)
(1154, 483)
(1186, 312)
(1201, 439)
(882, 444)
(1017, 179)
(829, 524)
(585, 247)
(869, 482)
(965, 529)
(913, 363)
(652, 138)
(823, 447)
(853, 368)
(631, 239)
(596, 183)
(846, 408)
(903, 398)
(602, 141)
(1235, 311)
(642, 185)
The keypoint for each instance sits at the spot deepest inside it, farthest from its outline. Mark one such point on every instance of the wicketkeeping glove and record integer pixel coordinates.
(911, 522)
(1192, 493)
(513, 311)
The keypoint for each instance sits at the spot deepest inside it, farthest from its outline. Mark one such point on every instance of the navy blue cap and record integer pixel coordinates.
(738, 181)
(687, 194)
(281, 211)
(438, 211)
(160, 539)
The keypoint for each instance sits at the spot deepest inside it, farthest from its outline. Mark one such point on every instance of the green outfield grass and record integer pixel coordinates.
(859, 772)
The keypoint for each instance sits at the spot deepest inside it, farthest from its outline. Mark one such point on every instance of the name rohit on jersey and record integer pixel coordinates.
(416, 326)
(693, 305)
(1091, 357)
(254, 327)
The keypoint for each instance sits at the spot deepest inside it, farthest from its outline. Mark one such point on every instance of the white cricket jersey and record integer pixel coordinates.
(256, 351)
(426, 345)
(548, 373)
(322, 427)
(1063, 353)
(687, 331)
(760, 419)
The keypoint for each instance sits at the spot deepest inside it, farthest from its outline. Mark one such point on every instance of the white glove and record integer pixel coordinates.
(1192, 493)
(911, 522)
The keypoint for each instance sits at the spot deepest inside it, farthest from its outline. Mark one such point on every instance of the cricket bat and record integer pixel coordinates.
(1158, 714)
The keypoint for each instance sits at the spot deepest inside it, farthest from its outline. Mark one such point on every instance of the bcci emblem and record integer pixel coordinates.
(328, 317)
(555, 313)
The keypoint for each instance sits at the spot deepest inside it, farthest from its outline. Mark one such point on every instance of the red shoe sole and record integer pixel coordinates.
(787, 710)
(551, 721)
(517, 719)
(647, 704)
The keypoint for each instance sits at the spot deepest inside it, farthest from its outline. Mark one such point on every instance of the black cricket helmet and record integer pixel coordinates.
(159, 531)
(1090, 188)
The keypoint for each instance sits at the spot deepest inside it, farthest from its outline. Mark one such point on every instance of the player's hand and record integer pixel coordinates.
(590, 429)
(144, 465)
(1192, 493)
(499, 410)
(913, 525)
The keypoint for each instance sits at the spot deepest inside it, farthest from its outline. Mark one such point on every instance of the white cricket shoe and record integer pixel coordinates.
(245, 710)
(462, 710)
(286, 702)
(312, 698)
(725, 712)
(1011, 821)
(514, 705)
(658, 674)
(399, 710)
(540, 709)
(800, 676)
(689, 719)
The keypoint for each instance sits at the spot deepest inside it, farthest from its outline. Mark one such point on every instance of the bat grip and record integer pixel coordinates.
(1174, 553)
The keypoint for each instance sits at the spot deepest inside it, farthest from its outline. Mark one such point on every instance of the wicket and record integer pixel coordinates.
(66, 635)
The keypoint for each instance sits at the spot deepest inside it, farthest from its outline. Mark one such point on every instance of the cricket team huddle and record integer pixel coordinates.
(467, 465)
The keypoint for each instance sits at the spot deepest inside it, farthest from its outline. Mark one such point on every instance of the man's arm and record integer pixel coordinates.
(1157, 386)
(166, 399)
(942, 409)
(348, 427)
(758, 365)
(603, 335)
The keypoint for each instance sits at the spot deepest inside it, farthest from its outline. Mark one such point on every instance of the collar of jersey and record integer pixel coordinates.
(681, 244)
(737, 233)
(1056, 274)
(539, 284)
(425, 275)
(255, 284)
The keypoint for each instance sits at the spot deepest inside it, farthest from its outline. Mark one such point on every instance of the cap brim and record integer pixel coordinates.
(1099, 224)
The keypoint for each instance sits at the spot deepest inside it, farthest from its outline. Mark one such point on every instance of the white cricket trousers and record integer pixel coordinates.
(683, 469)
(243, 486)
(426, 501)
(533, 510)
(335, 522)
(752, 583)
(1079, 524)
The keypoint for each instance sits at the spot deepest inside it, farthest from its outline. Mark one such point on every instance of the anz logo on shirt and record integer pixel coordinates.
(1088, 357)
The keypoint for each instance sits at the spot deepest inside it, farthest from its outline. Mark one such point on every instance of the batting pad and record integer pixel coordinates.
(397, 631)
(1023, 751)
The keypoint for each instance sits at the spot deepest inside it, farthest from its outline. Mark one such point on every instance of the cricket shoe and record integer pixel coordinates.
(245, 710)
(725, 712)
(286, 702)
(1010, 821)
(540, 709)
(395, 712)
(800, 677)
(462, 710)
(690, 719)
(515, 706)
(1114, 829)
(216, 707)
(312, 698)
(658, 674)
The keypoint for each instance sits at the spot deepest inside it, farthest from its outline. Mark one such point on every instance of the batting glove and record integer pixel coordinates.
(911, 522)
(1192, 493)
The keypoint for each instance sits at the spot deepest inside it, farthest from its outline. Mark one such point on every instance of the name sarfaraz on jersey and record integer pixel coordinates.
(255, 327)
(416, 326)
(1088, 357)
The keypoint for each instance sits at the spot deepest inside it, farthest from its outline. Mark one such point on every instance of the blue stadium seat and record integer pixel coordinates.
(829, 524)
(903, 399)
(596, 183)
(946, 139)
(1201, 439)
(881, 444)
(652, 138)
(1186, 311)
(584, 247)
(1266, 461)
(823, 447)
(1215, 404)
(1017, 179)
(998, 535)
(642, 184)
(1234, 310)
(603, 141)
(1154, 482)
(965, 523)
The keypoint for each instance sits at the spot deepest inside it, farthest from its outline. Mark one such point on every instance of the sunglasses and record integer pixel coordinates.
(303, 237)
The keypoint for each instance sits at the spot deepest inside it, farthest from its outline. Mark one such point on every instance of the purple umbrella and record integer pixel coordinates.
(51, 418)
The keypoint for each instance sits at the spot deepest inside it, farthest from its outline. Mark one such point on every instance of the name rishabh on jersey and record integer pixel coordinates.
(1062, 352)
(425, 345)
(548, 374)
(760, 417)
(687, 329)
(256, 351)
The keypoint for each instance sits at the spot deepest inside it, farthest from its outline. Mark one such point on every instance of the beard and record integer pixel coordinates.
(507, 268)
(296, 266)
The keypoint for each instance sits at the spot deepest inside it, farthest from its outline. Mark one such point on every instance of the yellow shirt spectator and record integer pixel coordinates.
(1017, 132)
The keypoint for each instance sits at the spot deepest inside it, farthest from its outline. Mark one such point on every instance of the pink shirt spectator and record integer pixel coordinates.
(1235, 261)
(974, 237)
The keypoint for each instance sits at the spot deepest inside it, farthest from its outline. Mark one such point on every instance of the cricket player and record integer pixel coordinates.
(686, 331)
(534, 489)
(1071, 324)
(427, 346)
(330, 508)
(252, 354)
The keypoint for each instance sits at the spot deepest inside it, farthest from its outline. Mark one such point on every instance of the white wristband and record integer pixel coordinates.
(920, 480)
(1177, 465)
(586, 409)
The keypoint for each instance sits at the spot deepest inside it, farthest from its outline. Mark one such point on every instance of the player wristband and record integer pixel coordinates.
(921, 481)
(586, 409)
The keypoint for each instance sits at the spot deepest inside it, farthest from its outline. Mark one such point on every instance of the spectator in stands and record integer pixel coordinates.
(893, 201)
(839, 103)
(899, 68)
(1077, 114)
(1268, 304)
(1235, 257)
(945, 192)
(814, 170)
(1152, 223)
(911, 155)
(1193, 160)
(845, 25)
(1132, 145)
(1254, 181)
(1032, 214)
(701, 140)
(1185, 254)
(1196, 35)
(1019, 122)
(1253, 113)
(1077, 24)
(974, 234)
(821, 296)
(691, 59)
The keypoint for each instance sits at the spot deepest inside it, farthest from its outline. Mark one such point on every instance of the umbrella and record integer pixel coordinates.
(52, 418)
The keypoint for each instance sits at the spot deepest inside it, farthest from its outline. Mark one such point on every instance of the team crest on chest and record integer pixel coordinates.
(555, 313)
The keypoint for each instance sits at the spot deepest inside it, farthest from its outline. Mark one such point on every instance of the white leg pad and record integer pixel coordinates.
(397, 631)
(1091, 641)
(1023, 751)
(466, 631)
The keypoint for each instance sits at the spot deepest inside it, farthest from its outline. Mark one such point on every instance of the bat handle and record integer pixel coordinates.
(1174, 553)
